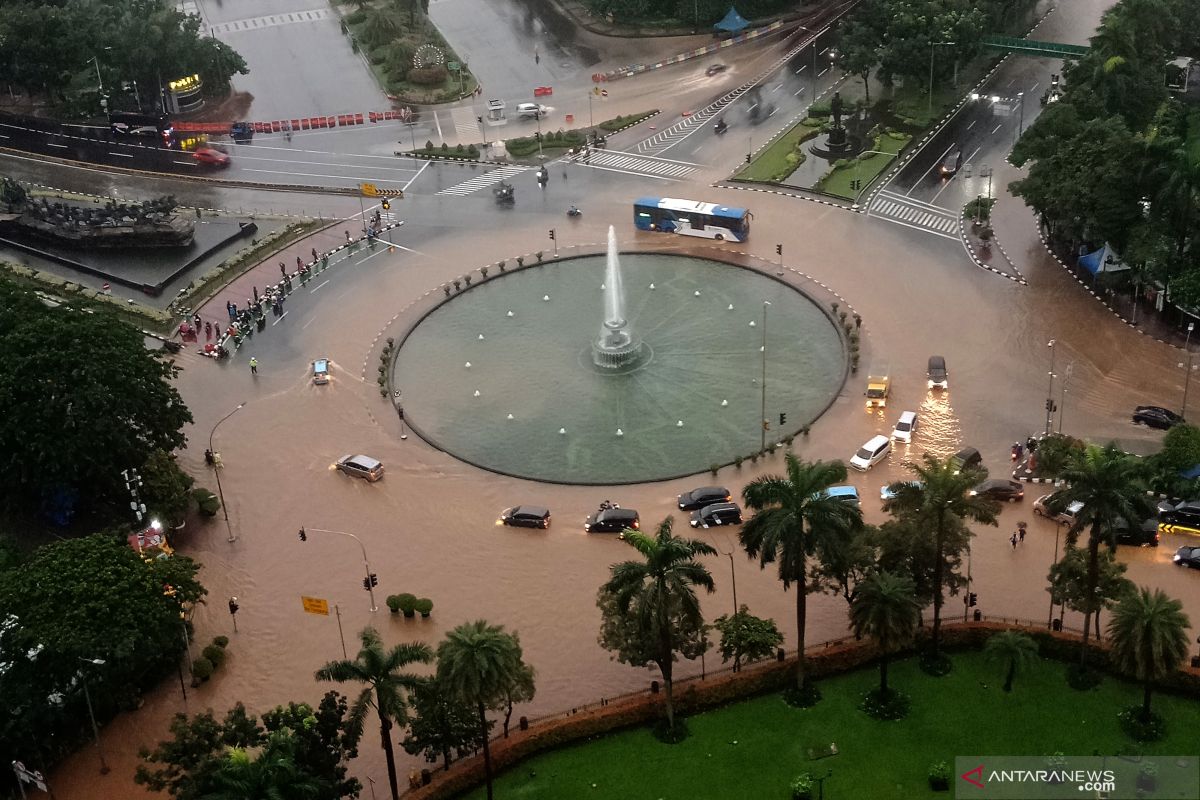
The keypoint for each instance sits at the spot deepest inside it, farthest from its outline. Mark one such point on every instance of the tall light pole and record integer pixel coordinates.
(763, 447)
(1020, 117)
(1187, 375)
(1050, 388)
(98, 662)
(932, 45)
(217, 470)
(366, 564)
(816, 36)
(1057, 532)
(1062, 403)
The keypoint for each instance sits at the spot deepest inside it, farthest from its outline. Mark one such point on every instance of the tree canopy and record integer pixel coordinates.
(48, 47)
(82, 400)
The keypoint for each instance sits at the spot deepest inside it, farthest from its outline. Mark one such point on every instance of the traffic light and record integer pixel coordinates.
(400, 411)
(1051, 406)
(783, 418)
(303, 535)
(747, 158)
(366, 583)
(971, 599)
(552, 234)
(374, 579)
(539, 136)
(384, 204)
(233, 605)
(778, 249)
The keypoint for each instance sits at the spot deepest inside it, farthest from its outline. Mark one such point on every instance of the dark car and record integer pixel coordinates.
(526, 517)
(938, 377)
(1187, 514)
(967, 458)
(1000, 489)
(717, 514)
(704, 496)
(1188, 556)
(1143, 535)
(951, 163)
(1156, 417)
(714, 69)
(361, 467)
(612, 520)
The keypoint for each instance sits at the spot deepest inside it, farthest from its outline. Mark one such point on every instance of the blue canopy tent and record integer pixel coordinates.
(1103, 260)
(733, 22)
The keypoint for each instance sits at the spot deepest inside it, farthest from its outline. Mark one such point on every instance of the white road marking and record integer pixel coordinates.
(971, 157)
(311, 175)
(998, 127)
(972, 125)
(438, 122)
(310, 322)
(822, 72)
(318, 286)
(281, 316)
(801, 69)
(1033, 88)
(932, 166)
(414, 177)
(52, 144)
(121, 155)
(798, 92)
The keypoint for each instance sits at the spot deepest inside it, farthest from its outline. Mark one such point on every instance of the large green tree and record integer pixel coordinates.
(1068, 581)
(82, 399)
(886, 609)
(1148, 637)
(792, 513)
(479, 664)
(654, 592)
(296, 751)
(745, 637)
(386, 686)
(1109, 484)
(88, 598)
(939, 503)
(441, 725)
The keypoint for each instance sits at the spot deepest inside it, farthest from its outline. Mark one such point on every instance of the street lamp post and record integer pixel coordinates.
(1062, 403)
(932, 45)
(98, 662)
(1187, 346)
(363, 547)
(763, 446)
(1057, 532)
(816, 36)
(1050, 389)
(217, 470)
(1020, 117)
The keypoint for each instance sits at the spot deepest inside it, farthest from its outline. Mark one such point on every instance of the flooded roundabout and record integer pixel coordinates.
(617, 368)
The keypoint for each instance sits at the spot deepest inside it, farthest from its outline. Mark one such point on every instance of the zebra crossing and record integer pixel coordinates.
(465, 124)
(637, 164)
(271, 20)
(914, 214)
(485, 180)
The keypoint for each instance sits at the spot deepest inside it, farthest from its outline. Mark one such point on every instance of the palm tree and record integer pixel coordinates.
(1016, 650)
(886, 609)
(478, 664)
(1147, 634)
(1108, 484)
(386, 687)
(792, 512)
(274, 775)
(939, 499)
(659, 592)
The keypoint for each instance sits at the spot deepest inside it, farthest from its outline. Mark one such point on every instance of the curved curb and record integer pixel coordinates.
(1092, 292)
(962, 238)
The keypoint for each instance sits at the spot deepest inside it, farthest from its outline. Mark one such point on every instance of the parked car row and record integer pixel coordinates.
(1141, 534)
(711, 506)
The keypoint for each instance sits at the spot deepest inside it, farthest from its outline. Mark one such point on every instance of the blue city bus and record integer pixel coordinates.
(691, 218)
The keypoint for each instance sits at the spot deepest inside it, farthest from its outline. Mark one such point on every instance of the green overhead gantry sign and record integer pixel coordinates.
(1032, 48)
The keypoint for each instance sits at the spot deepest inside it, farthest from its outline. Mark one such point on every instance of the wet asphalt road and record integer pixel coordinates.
(429, 525)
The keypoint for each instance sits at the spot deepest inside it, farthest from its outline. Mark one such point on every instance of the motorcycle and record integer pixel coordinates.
(720, 127)
(574, 212)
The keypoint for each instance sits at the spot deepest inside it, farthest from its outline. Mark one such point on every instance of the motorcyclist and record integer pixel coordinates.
(720, 126)
(573, 212)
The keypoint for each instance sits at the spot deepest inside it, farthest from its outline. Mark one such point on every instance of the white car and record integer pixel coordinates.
(906, 427)
(871, 453)
(531, 111)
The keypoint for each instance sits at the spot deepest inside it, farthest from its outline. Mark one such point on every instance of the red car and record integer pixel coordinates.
(211, 156)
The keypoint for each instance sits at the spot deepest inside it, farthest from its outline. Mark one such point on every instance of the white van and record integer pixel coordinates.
(530, 111)
(906, 426)
(871, 453)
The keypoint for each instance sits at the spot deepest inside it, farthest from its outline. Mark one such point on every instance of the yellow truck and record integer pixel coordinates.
(878, 387)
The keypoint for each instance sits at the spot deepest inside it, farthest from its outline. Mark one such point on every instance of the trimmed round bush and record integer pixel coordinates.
(202, 670)
(221, 641)
(215, 654)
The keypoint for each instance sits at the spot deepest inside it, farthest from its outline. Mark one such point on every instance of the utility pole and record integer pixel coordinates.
(1050, 389)
(763, 441)
(1187, 346)
(1062, 403)
(217, 472)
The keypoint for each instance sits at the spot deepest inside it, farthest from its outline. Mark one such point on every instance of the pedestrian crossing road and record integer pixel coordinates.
(485, 180)
(637, 164)
(270, 21)
(465, 124)
(914, 214)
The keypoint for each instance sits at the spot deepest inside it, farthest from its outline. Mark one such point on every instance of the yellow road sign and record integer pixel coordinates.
(315, 605)
(368, 190)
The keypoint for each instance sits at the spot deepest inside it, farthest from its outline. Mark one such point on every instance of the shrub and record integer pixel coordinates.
(939, 776)
(221, 641)
(472, 151)
(408, 604)
(892, 706)
(434, 75)
(713, 468)
(208, 503)
(423, 606)
(737, 462)
(1139, 729)
(483, 271)
(428, 144)
(802, 786)
(202, 670)
(356, 17)
(820, 110)
(214, 654)
(458, 148)
(393, 602)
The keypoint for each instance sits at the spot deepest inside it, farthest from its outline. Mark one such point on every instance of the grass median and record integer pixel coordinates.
(772, 165)
(756, 748)
(840, 181)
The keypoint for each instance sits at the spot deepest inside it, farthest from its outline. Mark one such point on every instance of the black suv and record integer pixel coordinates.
(967, 458)
(1156, 417)
(1187, 556)
(526, 517)
(1187, 514)
(704, 496)
(717, 514)
(612, 520)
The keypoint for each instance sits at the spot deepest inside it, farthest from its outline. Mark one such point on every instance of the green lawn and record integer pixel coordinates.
(754, 749)
(837, 181)
(771, 165)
